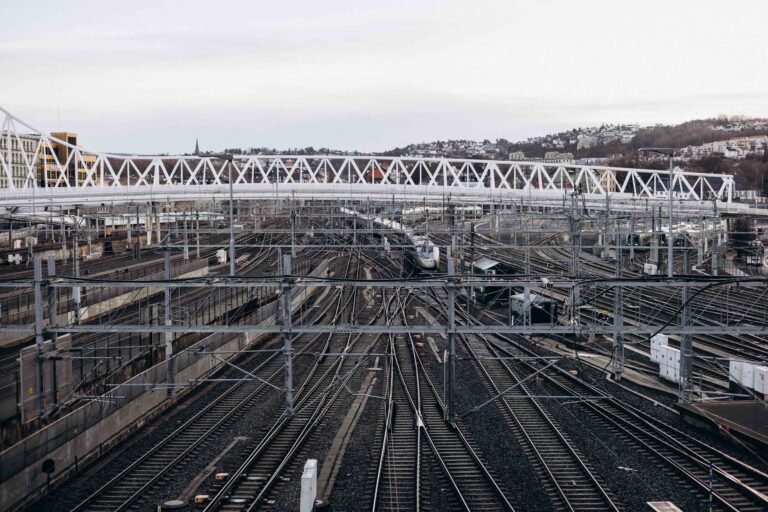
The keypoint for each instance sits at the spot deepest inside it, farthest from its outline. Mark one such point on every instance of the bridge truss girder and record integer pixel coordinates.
(119, 178)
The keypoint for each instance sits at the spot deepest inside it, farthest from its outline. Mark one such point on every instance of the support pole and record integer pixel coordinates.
(527, 303)
(702, 249)
(52, 318)
(156, 213)
(63, 239)
(715, 247)
(287, 335)
(655, 240)
(686, 348)
(128, 234)
(168, 322)
(38, 277)
(606, 228)
(232, 268)
(51, 296)
(197, 232)
(186, 239)
(76, 272)
(137, 244)
(452, 229)
(450, 391)
(670, 258)
(293, 231)
(618, 315)
(471, 265)
(471, 262)
(575, 257)
(148, 227)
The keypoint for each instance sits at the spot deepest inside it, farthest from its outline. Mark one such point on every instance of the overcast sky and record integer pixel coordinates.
(151, 76)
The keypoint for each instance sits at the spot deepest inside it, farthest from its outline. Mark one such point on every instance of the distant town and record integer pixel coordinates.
(734, 138)
(602, 144)
(731, 145)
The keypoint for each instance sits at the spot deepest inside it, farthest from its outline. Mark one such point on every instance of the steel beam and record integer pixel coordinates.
(287, 333)
(535, 329)
(168, 323)
(555, 281)
(686, 347)
(617, 355)
(450, 392)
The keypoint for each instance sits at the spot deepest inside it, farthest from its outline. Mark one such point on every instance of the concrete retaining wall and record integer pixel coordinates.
(105, 301)
(83, 435)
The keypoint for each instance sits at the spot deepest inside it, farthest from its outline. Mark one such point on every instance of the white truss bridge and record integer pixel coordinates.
(105, 178)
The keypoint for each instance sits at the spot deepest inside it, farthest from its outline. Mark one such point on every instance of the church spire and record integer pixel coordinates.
(197, 148)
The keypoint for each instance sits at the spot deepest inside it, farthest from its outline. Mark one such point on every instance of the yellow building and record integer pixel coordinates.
(608, 180)
(76, 168)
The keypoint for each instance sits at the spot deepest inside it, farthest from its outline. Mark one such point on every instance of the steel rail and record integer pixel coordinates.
(699, 454)
(306, 396)
(567, 499)
(202, 414)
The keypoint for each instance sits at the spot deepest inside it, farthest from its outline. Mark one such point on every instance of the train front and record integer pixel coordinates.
(427, 253)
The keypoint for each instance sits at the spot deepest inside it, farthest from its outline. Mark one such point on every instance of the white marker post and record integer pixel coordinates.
(308, 486)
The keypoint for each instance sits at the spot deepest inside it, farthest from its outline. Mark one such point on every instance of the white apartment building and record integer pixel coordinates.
(12, 158)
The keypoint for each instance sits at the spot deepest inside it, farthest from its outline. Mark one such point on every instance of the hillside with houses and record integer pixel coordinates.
(733, 145)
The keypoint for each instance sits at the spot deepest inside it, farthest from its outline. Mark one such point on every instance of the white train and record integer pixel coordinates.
(421, 213)
(691, 232)
(425, 254)
(755, 253)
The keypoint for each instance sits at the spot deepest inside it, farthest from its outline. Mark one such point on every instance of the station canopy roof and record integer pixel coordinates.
(535, 298)
(484, 263)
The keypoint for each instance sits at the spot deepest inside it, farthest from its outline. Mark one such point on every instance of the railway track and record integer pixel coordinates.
(477, 488)
(736, 485)
(127, 489)
(419, 452)
(654, 306)
(397, 485)
(97, 363)
(565, 473)
(573, 483)
(473, 485)
(251, 484)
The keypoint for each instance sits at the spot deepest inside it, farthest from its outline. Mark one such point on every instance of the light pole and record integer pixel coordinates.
(669, 152)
